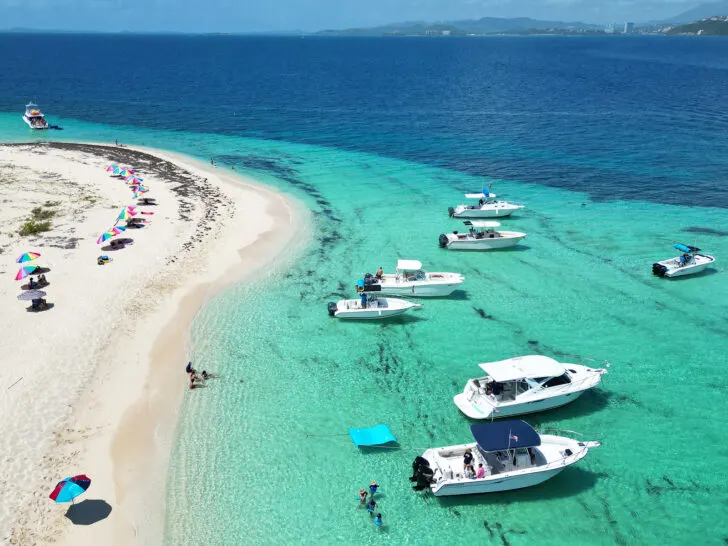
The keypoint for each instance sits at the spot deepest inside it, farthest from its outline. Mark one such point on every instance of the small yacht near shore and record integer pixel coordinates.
(488, 206)
(34, 117)
(689, 263)
(506, 455)
(409, 279)
(482, 235)
(370, 307)
(525, 384)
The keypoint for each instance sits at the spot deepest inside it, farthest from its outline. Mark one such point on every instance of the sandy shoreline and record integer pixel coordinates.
(104, 384)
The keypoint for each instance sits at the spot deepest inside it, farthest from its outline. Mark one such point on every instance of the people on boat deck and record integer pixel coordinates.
(468, 458)
(378, 520)
(363, 496)
(363, 299)
(470, 472)
(380, 272)
(373, 487)
(481, 471)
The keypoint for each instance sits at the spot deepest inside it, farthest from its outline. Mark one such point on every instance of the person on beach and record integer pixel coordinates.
(373, 487)
(363, 496)
(32, 283)
(378, 520)
(189, 369)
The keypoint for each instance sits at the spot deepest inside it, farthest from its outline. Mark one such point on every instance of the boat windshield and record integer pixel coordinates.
(418, 275)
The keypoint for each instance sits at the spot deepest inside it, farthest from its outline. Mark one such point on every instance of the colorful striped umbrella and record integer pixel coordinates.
(25, 271)
(133, 179)
(125, 172)
(112, 232)
(140, 190)
(27, 257)
(126, 213)
(70, 488)
(112, 168)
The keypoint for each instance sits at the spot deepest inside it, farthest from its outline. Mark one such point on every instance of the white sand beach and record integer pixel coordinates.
(94, 384)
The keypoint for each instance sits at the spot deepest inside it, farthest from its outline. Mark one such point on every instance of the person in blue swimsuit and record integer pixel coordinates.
(378, 520)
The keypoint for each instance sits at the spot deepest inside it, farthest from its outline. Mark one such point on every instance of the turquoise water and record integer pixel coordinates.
(268, 460)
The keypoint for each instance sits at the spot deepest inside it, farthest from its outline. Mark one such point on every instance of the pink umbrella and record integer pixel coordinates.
(25, 271)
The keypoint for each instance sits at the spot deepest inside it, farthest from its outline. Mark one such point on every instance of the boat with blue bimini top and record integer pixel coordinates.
(506, 455)
(370, 307)
(689, 263)
(525, 384)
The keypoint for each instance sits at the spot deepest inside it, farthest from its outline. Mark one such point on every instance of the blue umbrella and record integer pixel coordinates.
(70, 488)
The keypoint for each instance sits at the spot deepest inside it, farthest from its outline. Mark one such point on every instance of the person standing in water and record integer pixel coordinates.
(378, 520)
(363, 496)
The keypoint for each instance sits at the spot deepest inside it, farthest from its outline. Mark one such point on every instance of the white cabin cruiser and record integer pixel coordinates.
(689, 263)
(525, 384)
(409, 279)
(506, 454)
(481, 236)
(34, 117)
(488, 207)
(370, 307)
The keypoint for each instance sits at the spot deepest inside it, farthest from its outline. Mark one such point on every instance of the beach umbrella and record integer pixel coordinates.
(125, 172)
(27, 257)
(112, 168)
(29, 295)
(70, 488)
(113, 232)
(126, 213)
(133, 179)
(25, 271)
(140, 191)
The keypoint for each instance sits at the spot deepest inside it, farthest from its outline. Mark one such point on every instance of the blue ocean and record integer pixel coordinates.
(618, 146)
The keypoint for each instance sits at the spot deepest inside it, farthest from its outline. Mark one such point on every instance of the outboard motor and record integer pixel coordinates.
(659, 270)
(443, 240)
(451, 211)
(422, 474)
(332, 308)
(367, 276)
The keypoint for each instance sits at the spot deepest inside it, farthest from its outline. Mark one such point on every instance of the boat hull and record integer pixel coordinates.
(495, 485)
(487, 411)
(420, 290)
(29, 124)
(670, 268)
(385, 308)
(484, 213)
(485, 243)
(373, 314)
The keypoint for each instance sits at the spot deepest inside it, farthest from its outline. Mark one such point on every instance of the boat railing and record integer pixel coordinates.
(554, 431)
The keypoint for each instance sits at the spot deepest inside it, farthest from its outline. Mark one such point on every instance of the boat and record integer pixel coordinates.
(370, 307)
(525, 384)
(34, 117)
(689, 263)
(489, 206)
(512, 454)
(482, 235)
(409, 279)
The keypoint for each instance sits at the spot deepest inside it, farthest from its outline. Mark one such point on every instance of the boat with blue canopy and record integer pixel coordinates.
(506, 455)
(372, 436)
(690, 262)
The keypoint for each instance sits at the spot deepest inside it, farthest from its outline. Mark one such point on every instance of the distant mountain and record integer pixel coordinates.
(713, 26)
(702, 11)
(485, 25)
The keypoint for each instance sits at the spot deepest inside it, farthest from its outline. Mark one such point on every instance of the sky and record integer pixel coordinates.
(309, 15)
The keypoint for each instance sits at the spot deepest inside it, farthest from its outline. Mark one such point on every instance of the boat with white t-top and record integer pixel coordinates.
(488, 206)
(689, 263)
(506, 455)
(370, 307)
(34, 117)
(525, 384)
(409, 279)
(482, 235)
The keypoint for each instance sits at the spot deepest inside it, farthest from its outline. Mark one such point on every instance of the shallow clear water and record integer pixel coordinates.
(267, 460)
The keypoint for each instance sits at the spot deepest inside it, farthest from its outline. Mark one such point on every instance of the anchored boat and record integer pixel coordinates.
(482, 235)
(409, 279)
(689, 263)
(34, 117)
(525, 384)
(488, 206)
(370, 307)
(506, 454)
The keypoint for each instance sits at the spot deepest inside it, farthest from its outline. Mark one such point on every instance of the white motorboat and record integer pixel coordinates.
(370, 307)
(409, 279)
(34, 117)
(488, 206)
(511, 454)
(525, 384)
(689, 263)
(482, 235)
